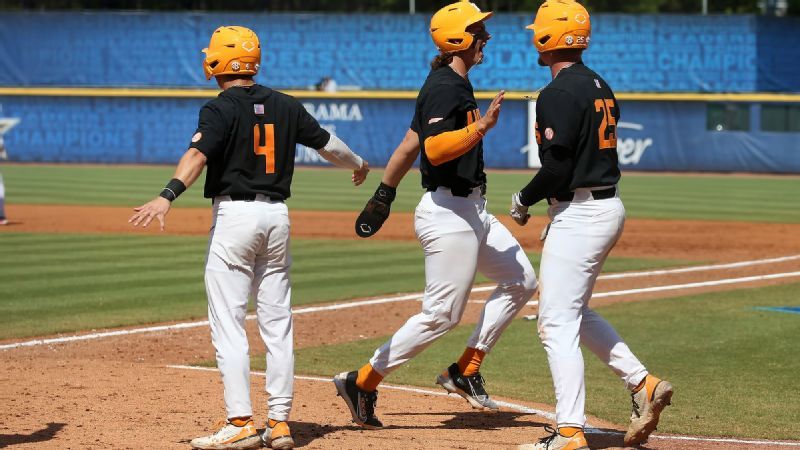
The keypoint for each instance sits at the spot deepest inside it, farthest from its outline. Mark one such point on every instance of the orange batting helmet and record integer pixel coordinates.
(232, 50)
(449, 25)
(561, 24)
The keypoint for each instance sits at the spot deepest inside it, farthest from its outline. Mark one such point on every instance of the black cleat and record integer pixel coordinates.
(471, 388)
(361, 403)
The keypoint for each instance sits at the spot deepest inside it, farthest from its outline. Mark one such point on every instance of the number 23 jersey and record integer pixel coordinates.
(578, 112)
(249, 135)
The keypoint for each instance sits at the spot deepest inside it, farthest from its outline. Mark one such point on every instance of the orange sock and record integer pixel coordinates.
(640, 385)
(368, 379)
(569, 431)
(649, 384)
(240, 421)
(470, 362)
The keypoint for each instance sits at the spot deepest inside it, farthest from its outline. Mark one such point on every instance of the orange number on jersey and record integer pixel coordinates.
(268, 147)
(609, 123)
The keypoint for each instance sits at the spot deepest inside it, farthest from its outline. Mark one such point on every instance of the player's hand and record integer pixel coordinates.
(359, 175)
(489, 120)
(518, 212)
(154, 209)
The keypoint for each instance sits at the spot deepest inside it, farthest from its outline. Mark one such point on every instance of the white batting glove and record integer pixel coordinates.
(518, 212)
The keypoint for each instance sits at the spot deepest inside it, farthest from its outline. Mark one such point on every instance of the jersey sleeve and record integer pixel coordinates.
(309, 132)
(212, 131)
(436, 114)
(559, 117)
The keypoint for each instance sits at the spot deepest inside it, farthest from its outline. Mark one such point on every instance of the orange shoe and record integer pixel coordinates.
(277, 435)
(647, 406)
(558, 442)
(230, 437)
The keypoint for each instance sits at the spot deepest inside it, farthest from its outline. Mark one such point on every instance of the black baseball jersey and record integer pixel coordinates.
(578, 112)
(249, 135)
(446, 102)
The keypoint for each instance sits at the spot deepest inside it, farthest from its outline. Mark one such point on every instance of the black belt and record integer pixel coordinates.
(600, 194)
(243, 197)
(461, 191)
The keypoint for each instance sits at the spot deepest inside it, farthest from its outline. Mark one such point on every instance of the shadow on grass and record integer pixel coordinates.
(45, 434)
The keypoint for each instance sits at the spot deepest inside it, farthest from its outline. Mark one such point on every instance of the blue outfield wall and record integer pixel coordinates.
(652, 135)
(636, 53)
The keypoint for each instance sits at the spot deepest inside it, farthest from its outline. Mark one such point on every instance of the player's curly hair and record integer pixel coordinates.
(441, 60)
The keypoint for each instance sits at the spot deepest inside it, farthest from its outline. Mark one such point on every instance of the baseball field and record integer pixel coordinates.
(104, 344)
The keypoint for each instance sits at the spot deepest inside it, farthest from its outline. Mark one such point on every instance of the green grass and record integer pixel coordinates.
(734, 367)
(690, 197)
(53, 283)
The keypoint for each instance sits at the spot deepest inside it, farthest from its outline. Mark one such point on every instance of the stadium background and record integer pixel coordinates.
(698, 93)
(103, 339)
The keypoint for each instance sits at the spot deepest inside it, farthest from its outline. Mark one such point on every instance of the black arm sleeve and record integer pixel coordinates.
(553, 177)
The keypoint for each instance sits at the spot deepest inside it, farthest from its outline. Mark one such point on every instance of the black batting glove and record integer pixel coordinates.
(376, 211)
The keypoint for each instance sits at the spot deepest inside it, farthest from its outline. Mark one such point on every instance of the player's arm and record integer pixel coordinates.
(379, 205)
(208, 140)
(558, 114)
(189, 169)
(330, 147)
(339, 154)
(449, 145)
(402, 159)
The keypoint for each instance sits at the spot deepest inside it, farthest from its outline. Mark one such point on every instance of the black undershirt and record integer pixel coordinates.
(554, 176)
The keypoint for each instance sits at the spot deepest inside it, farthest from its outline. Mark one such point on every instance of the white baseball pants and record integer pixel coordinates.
(2, 197)
(581, 235)
(248, 254)
(459, 238)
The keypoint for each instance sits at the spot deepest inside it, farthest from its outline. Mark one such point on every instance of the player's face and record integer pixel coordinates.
(481, 36)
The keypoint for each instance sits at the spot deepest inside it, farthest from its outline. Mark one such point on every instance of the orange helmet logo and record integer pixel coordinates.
(561, 24)
(449, 25)
(232, 50)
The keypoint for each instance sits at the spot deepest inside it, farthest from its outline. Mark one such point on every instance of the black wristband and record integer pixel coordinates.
(385, 193)
(173, 189)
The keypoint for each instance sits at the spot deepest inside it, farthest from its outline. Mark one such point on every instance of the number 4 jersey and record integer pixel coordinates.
(249, 135)
(578, 112)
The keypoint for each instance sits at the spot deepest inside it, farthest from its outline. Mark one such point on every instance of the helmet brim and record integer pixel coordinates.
(480, 17)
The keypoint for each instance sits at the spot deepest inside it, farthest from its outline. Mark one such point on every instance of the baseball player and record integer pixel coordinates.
(457, 234)
(576, 117)
(247, 138)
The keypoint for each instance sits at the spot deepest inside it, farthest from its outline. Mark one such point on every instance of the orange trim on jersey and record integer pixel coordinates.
(450, 145)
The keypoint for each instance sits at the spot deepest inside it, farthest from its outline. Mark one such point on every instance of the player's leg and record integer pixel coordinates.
(228, 277)
(570, 261)
(272, 291)
(3, 220)
(502, 260)
(450, 239)
(650, 394)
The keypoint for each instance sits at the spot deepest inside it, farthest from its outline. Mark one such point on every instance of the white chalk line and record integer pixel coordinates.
(418, 296)
(520, 408)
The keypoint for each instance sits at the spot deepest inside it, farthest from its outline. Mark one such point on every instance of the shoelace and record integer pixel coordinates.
(547, 440)
(635, 405)
(473, 381)
(370, 402)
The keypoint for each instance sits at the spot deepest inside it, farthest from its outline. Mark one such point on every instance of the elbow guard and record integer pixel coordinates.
(340, 155)
(450, 145)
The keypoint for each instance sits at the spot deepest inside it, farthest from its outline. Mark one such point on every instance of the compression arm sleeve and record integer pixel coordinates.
(450, 145)
(339, 154)
(553, 177)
